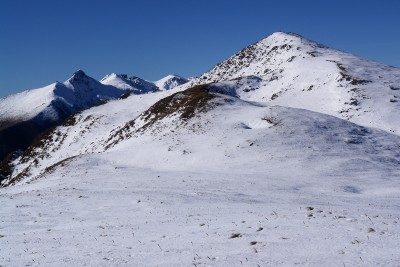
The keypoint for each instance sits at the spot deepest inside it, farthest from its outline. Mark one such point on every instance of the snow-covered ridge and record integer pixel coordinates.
(140, 86)
(103, 128)
(134, 84)
(289, 70)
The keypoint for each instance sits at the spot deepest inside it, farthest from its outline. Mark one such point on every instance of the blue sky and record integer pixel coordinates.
(46, 41)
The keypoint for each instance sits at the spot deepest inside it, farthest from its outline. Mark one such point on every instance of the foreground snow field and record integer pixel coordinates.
(119, 215)
(311, 190)
(289, 156)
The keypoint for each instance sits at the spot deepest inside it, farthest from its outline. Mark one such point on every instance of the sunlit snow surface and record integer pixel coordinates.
(177, 198)
(293, 71)
(244, 183)
(120, 215)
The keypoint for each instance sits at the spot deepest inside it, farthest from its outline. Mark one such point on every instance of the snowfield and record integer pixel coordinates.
(243, 171)
(117, 215)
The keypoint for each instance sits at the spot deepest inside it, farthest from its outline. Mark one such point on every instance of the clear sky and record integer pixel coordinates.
(46, 41)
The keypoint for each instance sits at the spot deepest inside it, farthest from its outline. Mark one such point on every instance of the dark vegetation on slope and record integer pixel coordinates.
(244, 58)
(61, 163)
(346, 77)
(19, 134)
(186, 104)
(37, 139)
(26, 135)
(6, 166)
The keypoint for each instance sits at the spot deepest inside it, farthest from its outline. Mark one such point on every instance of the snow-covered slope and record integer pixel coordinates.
(219, 174)
(100, 129)
(83, 133)
(170, 82)
(25, 105)
(208, 179)
(289, 70)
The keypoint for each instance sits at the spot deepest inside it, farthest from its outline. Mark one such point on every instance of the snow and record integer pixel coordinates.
(296, 72)
(148, 202)
(15, 106)
(77, 93)
(170, 81)
(140, 86)
(134, 84)
(127, 216)
(245, 181)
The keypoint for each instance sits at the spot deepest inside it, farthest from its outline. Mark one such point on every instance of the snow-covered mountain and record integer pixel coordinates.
(169, 82)
(243, 165)
(77, 93)
(289, 70)
(25, 115)
(134, 84)
(140, 86)
(205, 168)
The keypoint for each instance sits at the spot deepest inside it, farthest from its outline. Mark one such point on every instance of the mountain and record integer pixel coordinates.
(169, 82)
(140, 86)
(240, 166)
(214, 170)
(289, 70)
(26, 115)
(134, 84)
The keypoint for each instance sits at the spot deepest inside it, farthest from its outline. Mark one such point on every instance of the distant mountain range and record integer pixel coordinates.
(26, 115)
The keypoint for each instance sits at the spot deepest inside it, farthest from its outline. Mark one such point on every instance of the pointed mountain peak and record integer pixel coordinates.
(265, 58)
(285, 35)
(78, 75)
(281, 38)
(80, 81)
